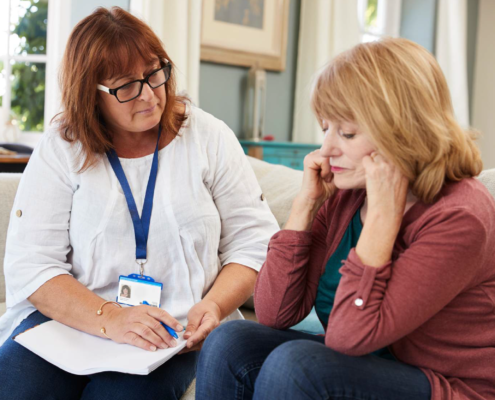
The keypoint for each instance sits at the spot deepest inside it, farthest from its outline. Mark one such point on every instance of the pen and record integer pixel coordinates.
(168, 328)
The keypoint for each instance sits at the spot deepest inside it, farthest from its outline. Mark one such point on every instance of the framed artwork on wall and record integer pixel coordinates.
(245, 32)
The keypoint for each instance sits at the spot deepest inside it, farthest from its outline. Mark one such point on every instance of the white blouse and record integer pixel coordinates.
(207, 212)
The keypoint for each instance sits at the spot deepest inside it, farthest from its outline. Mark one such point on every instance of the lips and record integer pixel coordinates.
(337, 169)
(148, 110)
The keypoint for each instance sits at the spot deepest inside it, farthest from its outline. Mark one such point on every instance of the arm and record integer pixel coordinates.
(287, 283)
(231, 289)
(246, 227)
(438, 265)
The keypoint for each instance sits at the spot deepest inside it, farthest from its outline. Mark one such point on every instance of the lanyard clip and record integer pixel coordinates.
(141, 263)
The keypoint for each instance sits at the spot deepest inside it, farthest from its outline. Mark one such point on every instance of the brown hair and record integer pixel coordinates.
(395, 91)
(107, 43)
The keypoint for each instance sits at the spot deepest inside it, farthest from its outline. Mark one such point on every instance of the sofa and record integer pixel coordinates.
(278, 183)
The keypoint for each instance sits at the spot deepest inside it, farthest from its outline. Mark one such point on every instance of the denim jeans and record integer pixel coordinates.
(24, 375)
(244, 360)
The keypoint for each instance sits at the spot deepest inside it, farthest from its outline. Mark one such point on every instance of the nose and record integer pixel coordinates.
(147, 93)
(330, 146)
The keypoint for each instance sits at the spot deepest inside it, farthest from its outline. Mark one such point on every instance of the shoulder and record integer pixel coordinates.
(468, 196)
(464, 209)
(53, 148)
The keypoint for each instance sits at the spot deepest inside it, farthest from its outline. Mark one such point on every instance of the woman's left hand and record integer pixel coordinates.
(386, 189)
(202, 318)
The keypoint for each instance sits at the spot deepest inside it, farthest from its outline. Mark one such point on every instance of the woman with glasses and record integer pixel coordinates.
(132, 188)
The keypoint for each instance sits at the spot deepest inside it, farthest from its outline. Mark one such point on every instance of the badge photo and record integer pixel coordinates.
(135, 290)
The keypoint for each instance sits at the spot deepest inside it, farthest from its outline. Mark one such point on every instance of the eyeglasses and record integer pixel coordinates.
(133, 89)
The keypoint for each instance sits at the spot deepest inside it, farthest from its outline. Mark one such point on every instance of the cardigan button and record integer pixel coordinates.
(359, 302)
(262, 197)
(18, 213)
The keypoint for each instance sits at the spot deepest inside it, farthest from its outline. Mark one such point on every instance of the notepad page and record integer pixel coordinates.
(82, 354)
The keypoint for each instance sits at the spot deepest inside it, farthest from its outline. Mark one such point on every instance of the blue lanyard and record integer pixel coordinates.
(141, 225)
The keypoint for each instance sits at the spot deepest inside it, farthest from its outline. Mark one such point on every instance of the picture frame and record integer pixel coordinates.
(245, 33)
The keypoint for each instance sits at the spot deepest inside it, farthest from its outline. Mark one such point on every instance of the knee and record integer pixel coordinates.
(295, 356)
(227, 341)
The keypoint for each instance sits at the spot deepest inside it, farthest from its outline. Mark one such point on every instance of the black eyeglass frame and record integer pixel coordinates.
(113, 92)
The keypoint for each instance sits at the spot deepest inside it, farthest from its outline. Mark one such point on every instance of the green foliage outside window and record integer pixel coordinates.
(371, 13)
(28, 86)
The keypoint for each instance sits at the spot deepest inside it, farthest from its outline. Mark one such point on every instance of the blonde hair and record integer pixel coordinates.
(395, 91)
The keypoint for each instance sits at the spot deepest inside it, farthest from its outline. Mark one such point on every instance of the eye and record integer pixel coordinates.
(346, 135)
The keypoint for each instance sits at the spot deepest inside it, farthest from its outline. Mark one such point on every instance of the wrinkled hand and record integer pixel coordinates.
(386, 188)
(202, 318)
(317, 184)
(140, 326)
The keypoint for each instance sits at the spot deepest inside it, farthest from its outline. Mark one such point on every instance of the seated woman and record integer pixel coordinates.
(203, 234)
(390, 238)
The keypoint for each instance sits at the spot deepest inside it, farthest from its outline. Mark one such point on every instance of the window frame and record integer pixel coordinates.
(58, 31)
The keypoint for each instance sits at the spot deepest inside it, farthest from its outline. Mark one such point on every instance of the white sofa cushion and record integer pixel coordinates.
(8, 188)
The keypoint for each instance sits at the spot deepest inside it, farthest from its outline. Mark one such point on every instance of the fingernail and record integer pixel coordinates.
(173, 343)
(164, 346)
(189, 345)
(187, 334)
(179, 328)
(153, 348)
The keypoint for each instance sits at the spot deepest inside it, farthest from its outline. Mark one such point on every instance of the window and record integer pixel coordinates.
(379, 18)
(23, 59)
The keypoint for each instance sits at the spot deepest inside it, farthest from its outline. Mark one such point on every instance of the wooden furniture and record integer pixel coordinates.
(283, 153)
(13, 163)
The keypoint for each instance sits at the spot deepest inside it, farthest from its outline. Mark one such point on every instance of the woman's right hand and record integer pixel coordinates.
(317, 186)
(140, 326)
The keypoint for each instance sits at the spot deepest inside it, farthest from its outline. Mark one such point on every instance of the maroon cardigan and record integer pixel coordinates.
(433, 305)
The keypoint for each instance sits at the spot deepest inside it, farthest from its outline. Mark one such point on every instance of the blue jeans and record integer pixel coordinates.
(24, 375)
(244, 360)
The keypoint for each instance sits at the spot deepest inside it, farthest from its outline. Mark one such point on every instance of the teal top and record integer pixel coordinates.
(330, 279)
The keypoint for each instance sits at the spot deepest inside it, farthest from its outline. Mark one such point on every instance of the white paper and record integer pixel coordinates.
(83, 354)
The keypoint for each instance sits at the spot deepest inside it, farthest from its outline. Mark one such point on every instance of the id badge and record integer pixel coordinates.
(135, 290)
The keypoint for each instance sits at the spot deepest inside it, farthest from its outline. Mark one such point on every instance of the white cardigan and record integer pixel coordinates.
(207, 212)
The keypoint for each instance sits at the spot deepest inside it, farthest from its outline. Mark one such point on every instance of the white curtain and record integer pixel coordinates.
(451, 53)
(327, 27)
(177, 23)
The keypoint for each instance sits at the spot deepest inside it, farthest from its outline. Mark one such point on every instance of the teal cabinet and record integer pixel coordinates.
(284, 153)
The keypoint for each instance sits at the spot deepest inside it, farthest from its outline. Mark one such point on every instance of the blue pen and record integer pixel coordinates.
(168, 328)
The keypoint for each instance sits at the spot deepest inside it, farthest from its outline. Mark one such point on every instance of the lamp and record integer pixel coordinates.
(254, 107)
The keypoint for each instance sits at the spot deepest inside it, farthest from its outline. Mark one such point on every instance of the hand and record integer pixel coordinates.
(202, 318)
(386, 189)
(140, 326)
(317, 185)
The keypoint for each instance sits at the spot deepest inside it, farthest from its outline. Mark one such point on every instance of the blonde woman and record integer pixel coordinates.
(390, 238)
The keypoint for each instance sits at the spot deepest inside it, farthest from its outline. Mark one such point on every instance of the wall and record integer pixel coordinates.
(418, 22)
(222, 89)
(484, 82)
(82, 8)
